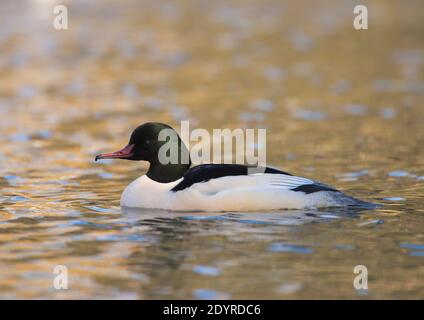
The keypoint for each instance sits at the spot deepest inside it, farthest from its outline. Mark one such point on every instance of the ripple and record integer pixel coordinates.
(350, 176)
(121, 237)
(354, 175)
(371, 223)
(99, 209)
(105, 175)
(417, 253)
(130, 91)
(153, 103)
(355, 109)
(14, 180)
(301, 41)
(290, 288)
(27, 91)
(399, 173)
(416, 249)
(340, 87)
(329, 216)
(207, 294)
(262, 105)
(394, 199)
(273, 73)
(286, 247)
(362, 292)
(74, 87)
(206, 270)
(85, 224)
(415, 246)
(388, 113)
(345, 246)
(20, 137)
(309, 115)
(252, 116)
(179, 113)
(43, 134)
(18, 198)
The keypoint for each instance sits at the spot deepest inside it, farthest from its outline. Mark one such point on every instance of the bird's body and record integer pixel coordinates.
(217, 187)
(230, 193)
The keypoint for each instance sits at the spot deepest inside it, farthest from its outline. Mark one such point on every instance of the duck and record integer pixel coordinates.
(180, 186)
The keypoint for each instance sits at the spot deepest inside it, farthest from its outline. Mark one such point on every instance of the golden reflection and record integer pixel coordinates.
(339, 105)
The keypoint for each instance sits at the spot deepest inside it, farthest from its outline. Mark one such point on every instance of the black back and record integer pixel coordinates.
(205, 172)
(314, 187)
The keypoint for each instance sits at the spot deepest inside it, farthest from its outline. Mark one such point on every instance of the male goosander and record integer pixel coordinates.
(215, 187)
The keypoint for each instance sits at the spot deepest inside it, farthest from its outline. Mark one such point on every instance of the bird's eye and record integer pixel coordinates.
(146, 143)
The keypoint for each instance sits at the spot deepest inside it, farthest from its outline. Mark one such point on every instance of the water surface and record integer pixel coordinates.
(339, 105)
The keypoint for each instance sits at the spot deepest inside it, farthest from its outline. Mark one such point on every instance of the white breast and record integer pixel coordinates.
(147, 193)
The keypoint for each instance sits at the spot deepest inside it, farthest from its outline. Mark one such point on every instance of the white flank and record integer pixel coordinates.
(259, 191)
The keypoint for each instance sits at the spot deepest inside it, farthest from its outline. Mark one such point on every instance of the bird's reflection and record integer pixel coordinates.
(280, 217)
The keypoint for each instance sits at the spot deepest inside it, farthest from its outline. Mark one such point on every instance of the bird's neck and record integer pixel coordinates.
(165, 173)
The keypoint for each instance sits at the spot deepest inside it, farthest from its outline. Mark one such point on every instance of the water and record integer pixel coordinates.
(339, 105)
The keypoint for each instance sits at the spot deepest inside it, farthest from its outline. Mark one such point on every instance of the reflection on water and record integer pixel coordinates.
(339, 105)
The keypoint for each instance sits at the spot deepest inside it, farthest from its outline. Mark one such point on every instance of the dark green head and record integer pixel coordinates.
(158, 144)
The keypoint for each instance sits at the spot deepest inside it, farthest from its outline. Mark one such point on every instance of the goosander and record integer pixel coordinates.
(215, 187)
